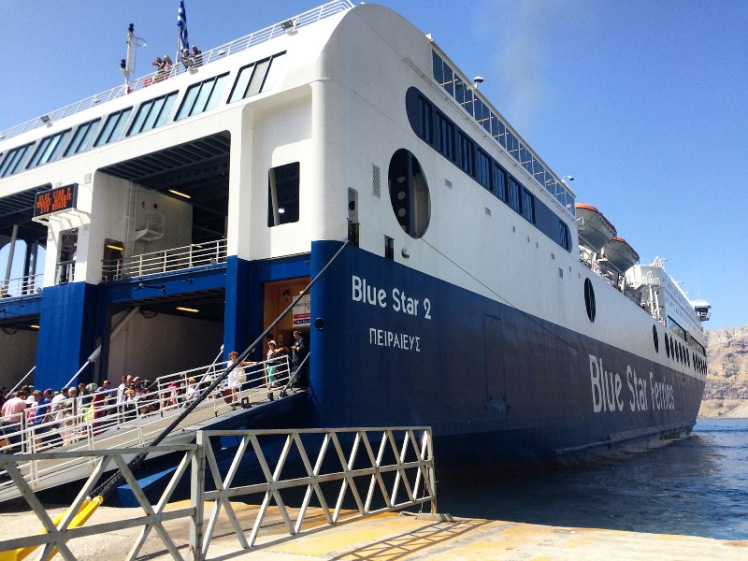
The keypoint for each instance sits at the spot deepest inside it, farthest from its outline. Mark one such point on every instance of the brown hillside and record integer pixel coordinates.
(726, 392)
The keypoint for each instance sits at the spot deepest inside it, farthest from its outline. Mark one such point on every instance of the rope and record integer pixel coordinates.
(110, 484)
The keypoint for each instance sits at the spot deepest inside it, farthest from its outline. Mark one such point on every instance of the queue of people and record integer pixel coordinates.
(66, 416)
(73, 413)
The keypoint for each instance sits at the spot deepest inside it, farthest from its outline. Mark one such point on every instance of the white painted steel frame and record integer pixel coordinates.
(411, 461)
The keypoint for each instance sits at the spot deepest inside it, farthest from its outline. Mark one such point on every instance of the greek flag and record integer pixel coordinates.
(184, 42)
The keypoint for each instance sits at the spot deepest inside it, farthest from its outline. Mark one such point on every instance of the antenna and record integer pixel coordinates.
(127, 66)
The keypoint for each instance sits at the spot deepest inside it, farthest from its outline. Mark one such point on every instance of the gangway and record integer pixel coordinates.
(98, 422)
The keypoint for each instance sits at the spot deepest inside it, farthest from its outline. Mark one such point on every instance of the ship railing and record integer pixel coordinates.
(21, 286)
(101, 420)
(179, 67)
(65, 272)
(292, 482)
(167, 260)
(244, 384)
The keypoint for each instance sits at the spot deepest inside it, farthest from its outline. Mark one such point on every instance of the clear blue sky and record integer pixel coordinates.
(644, 102)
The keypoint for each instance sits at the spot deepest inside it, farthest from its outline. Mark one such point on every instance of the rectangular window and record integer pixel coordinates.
(425, 121)
(528, 206)
(499, 182)
(563, 236)
(113, 127)
(443, 74)
(272, 78)
(445, 137)
(152, 114)
(513, 198)
(483, 169)
(512, 144)
(389, 248)
(257, 77)
(13, 160)
(81, 138)
(498, 130)
(525, 158)
(466, 154)
(48, 149)
(201, 97)
(283, 194)
(482, 114)
(464, 95)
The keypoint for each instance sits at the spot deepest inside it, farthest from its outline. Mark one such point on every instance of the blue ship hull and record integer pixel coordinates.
(495, 384)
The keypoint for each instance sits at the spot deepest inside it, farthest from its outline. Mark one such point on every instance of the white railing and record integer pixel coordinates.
(100, 421)
(206, 57)
(344, 475)
(167, 260)
(22, 286)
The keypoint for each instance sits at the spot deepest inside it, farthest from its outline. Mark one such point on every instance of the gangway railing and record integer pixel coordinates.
(101, 420)
(321, 478)
(166, 260)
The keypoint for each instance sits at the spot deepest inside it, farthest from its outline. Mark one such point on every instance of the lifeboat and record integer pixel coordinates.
(594, 229)
(620, 254)
(703, 309)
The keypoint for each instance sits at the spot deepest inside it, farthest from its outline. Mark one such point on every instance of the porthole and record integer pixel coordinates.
(655, 339)
(409, 193)
(667, 346)
(589, 300)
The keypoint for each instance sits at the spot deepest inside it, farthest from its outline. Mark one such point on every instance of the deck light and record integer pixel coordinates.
(288, 25)
(190, 310)
(179, 193)
(46, 120)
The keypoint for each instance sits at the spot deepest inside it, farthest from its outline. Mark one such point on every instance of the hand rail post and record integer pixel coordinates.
(197, 498)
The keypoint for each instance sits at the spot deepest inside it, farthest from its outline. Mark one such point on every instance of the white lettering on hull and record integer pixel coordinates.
(607, 385)
(404, 341)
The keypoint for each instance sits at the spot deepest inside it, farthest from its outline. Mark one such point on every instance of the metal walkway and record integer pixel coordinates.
(98, 424)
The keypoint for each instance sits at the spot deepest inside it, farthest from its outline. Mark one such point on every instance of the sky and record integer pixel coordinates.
(643, 102)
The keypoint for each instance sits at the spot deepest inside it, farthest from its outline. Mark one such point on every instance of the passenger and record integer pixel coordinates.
(84, 396)
(13, 412)
(167, 66)
(192, 392)
(186, 58)
(39, 416)
(237, 377)
(170, 397)
(121, 389)
(69, 417)
(298, 354)
(197, 55)
(161, 66)
(270, 365)
(141, 391)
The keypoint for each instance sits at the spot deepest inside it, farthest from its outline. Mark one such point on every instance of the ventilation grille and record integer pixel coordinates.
(376, 182)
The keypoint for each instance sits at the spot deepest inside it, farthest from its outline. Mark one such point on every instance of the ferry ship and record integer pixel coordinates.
(458, 283)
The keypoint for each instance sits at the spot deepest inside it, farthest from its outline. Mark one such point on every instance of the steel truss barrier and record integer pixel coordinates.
(344, 474)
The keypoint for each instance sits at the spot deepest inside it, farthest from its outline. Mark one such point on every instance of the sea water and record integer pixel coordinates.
(697, 486)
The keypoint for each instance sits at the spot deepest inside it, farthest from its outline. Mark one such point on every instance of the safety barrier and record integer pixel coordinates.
(344, 474)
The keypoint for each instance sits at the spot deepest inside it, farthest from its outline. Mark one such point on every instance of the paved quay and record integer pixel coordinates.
(393, 536)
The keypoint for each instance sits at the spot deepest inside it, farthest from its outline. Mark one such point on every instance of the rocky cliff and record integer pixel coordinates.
(726, 392)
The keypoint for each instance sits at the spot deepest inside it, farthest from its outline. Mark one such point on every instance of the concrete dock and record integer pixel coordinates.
(397, 536)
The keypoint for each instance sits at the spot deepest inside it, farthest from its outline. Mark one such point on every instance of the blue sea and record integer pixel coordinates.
(697, 486)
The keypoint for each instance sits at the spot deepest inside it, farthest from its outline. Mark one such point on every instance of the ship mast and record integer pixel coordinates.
(127, 65)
